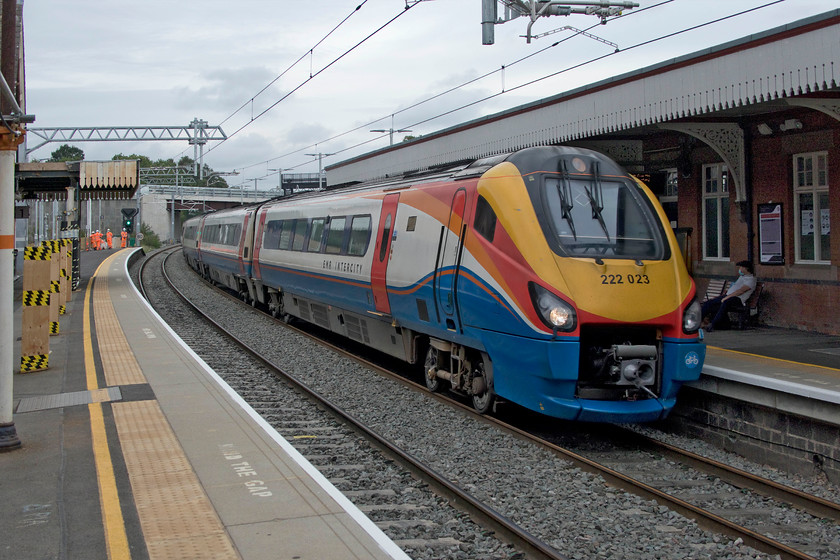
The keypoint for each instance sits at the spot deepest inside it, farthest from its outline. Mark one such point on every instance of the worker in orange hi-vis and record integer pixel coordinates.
(123, 238)
(92, 242)
(110, 238)
(97, 240)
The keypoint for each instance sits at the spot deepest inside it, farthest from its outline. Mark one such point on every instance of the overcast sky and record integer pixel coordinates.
(164, 63)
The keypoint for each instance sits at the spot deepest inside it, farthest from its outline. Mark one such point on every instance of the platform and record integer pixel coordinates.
(132, 447)
(792, 371)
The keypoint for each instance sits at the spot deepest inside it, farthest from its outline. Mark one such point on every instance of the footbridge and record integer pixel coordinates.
(160, 204)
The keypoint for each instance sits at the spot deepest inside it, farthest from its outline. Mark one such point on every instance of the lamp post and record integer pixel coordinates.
(320, 167)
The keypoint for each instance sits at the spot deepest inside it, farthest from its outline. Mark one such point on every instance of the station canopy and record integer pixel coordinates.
(95, 180)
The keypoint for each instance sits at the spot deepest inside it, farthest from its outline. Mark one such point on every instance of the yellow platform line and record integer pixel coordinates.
(116, 540)
(803, 364)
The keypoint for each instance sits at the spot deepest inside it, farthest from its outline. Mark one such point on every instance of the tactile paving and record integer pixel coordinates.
(118, 361)
(177, 518)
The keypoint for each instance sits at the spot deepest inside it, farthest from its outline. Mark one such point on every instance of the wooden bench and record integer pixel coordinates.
(749, 313)
(716, 287)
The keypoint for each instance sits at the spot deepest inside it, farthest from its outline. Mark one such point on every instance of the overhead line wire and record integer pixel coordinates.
(520, 86)
(596, 59)
(284, 72)
(450, 90)
(316, 74)
(295, 63)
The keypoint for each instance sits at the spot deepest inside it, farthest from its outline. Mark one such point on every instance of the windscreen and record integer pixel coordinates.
(601, 217)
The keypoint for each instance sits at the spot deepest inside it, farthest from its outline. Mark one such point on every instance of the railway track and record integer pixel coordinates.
(794, 533)
(397, 498)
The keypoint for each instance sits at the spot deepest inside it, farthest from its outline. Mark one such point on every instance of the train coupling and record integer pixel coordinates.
(633, 364)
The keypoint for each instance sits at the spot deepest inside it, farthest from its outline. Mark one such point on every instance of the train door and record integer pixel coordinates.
(243, 255)
(382, 252)
(449, 250)
(257, 244)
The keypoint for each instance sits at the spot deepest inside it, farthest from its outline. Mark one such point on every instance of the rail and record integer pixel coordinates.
(533, 547)
(814, 505)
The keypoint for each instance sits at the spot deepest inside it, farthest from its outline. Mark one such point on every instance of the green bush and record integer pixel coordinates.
(150, 238)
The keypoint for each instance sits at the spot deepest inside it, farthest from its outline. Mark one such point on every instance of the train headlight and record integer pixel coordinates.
(554, 312)
(692, 316)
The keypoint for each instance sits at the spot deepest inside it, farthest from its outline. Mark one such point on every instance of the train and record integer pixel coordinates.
(548, 277)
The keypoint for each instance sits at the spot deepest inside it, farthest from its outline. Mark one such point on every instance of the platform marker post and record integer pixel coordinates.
(35, 315)
(55, 284)
(67, 270)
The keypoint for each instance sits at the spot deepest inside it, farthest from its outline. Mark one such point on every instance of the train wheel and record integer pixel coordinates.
(433, 384)
(483, 401)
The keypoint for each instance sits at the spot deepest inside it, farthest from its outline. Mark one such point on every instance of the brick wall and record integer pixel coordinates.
(802, 296)
(765, 435)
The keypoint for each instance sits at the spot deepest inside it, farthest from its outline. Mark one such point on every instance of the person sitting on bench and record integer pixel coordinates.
(736, 297)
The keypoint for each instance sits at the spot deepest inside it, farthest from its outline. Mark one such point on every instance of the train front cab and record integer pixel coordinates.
(607, 288)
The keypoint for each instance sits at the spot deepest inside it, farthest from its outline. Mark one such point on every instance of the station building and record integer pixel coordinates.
(741, 142)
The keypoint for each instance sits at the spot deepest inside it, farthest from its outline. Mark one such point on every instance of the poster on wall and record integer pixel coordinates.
(770, 234)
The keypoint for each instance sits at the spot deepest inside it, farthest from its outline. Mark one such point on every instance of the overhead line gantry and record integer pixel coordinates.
(197, 133)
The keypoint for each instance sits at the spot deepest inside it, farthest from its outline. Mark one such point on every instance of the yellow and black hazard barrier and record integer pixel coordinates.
(57, 255)
(35, 314)
(36, 297)
(37, 254)
(34, 363)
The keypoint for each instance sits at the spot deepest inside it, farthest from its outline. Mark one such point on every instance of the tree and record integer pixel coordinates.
(144, 162)
(66, 152)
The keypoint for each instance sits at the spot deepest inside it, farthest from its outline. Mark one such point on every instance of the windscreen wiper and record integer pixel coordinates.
(564, 189)
(596, 199)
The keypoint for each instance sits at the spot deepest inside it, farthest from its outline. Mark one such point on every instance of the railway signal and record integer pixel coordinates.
(128, 219)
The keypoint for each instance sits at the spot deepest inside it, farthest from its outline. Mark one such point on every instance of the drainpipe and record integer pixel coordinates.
(747, 208)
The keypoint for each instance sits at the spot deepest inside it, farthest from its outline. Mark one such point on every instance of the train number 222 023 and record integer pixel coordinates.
(610, 279)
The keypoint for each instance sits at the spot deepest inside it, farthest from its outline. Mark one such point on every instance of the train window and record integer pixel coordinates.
(316, 235)
(285, 236)
(230, 231)
(359, 236)
(300, 235)
(335, 235)
(602, 218)
(386, 234)
(271, 237)
(485, 219)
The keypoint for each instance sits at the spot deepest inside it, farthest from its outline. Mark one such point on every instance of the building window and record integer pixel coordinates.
(715, 212)
(810, 199)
